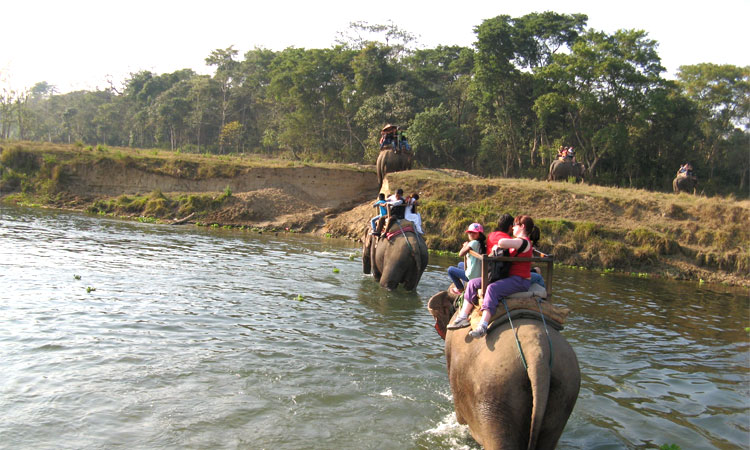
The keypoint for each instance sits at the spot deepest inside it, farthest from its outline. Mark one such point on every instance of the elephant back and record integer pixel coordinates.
(525, 305)
(398, 227)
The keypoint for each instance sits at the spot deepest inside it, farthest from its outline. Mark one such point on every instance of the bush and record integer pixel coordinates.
(18, 159)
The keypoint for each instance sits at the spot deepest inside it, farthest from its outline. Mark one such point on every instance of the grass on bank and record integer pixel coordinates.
(630, 230)
(23, 158)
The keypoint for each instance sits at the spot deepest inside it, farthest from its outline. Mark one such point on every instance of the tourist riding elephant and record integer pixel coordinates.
(505, 404)
(395, 259)
(391, 161)
(684, 183)
(562, 170)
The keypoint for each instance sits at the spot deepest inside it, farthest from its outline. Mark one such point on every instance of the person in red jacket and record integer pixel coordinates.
(503, 230)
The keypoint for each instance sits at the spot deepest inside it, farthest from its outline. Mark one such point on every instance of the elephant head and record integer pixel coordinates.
(442, 306)
(562, 170)
(400, 259)
(509, 400)
(391, 161)
(684, 183)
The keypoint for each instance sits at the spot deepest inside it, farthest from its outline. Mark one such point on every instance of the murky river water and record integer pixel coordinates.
(182, 337)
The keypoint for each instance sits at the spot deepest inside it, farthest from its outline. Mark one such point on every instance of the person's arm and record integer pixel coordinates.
(510, 243)
(465, 249)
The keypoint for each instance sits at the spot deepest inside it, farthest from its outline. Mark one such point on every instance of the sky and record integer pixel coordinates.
(81, 44)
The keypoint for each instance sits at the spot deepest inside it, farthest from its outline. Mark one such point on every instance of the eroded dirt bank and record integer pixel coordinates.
(296, 198)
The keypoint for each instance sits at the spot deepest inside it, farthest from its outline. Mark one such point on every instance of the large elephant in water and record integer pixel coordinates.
(392, 161)
(395, 257)
(684, 183)
(562, 170)
(507, 405)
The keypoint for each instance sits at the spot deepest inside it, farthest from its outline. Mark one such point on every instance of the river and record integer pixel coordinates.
(123, 334)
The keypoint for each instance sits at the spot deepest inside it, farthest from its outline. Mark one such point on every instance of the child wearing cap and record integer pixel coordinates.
(471, 267)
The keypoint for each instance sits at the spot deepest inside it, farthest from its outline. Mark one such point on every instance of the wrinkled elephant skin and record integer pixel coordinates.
(684, 183)
(505, 405)
(390, 161)
(393, 262)
(562, 170)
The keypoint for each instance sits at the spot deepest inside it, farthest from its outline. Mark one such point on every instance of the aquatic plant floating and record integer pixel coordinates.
(90, 289)
(299, 297)
(336, 270)
(77, 277)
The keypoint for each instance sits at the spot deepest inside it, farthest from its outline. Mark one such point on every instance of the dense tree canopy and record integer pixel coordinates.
(528, 85)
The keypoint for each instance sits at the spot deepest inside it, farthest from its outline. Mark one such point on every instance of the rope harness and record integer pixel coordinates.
(515, 333)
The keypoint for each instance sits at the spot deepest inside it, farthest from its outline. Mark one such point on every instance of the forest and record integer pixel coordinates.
(499, 108)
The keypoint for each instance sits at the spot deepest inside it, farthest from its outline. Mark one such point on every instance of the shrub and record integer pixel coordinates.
(586, 230)
(18, 159)
(554, 228)
(657, 242)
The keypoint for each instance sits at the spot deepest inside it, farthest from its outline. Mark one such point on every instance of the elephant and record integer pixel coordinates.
(561, 170)
(402, 258)
(684, 183)
(392, 161)
(505, 405)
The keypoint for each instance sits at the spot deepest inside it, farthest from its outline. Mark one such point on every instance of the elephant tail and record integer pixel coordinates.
(539, 373)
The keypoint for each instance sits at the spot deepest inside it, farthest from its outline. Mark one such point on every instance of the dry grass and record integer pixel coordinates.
(680, 236)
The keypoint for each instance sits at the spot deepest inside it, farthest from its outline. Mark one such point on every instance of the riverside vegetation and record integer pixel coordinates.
(642, 233)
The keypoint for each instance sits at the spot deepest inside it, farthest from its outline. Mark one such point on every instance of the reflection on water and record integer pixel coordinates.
(207, 338)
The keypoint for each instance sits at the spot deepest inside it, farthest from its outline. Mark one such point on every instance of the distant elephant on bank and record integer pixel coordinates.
(684, 183)
(562, 170)
(399, 258)
(505, 405)
(391, 161)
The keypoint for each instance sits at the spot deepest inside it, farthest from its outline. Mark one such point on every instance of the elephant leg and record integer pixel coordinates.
(499, 415)
(411, 279)
(366, 259)
(376, 273)
(397, 264)
(390, 277)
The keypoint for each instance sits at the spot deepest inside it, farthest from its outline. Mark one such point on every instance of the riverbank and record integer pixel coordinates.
(647, 234)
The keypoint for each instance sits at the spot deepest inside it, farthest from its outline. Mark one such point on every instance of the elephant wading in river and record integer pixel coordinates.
(562, 170)
(391, 161)
(684, 183)
(395, 257)
(506, 405)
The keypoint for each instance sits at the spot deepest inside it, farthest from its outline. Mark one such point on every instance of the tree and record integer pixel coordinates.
(435, 137)
(362, 35)
(226, 68)
(600, 87)
(503, 91)
(722, 94)
(231, 135)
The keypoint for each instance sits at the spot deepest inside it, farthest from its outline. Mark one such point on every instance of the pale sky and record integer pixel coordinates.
(77, 44)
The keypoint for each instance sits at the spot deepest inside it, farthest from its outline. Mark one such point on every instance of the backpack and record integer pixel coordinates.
(499, 269)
